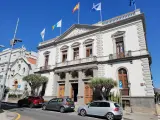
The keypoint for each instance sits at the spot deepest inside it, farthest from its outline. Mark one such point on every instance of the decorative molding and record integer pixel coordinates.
(76, 31)
(64, 47)
(147, 77)
(76, 44)
(141, 36)
(88, 41)
(118, 34)
(99, 40)
(46, 53)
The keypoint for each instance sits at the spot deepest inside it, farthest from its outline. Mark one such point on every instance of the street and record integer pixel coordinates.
(38, 114)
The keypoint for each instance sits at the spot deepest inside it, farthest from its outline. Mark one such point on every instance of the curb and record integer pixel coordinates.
(17, 117)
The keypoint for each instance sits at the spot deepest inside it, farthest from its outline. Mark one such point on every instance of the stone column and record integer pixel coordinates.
(95, 72)
(80, 88)
(56, 78)
(67, 85)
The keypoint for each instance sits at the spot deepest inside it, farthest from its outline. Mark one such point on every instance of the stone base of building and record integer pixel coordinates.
(141, 104)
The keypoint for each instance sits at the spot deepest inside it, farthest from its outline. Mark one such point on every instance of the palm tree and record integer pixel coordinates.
(102, 87)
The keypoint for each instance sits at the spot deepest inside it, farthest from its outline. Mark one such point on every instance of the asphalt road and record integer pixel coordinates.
(39, 114)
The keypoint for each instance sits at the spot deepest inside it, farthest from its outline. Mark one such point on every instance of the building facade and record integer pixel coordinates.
(22, 63)
(116, 48)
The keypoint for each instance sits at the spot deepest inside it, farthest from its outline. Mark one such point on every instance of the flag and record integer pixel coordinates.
(42, 34)
(97, 7)
(132, 2)
(59, 24)
(75, 8)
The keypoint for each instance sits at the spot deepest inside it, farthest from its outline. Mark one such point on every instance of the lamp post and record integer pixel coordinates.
(129, 85)
(13, 42)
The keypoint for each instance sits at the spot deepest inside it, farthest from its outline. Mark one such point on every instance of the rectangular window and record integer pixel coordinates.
(89, 50)
(46, 60)
(104, 104)
(64, 56)
(120, 47)
(76, 53)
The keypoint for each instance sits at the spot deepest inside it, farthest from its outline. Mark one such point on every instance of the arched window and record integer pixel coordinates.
(122, 74)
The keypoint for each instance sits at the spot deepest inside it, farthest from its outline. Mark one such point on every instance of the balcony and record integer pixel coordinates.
(77, 61)
(125, 92)
(120, 55)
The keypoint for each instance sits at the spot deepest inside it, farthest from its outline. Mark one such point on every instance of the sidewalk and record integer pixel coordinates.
(139, 116)
(6, 115)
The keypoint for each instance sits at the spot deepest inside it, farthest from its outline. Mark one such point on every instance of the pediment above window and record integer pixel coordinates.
(118, 33)
(76, 44)
(46, 53)
(88, 41)
(64, 47)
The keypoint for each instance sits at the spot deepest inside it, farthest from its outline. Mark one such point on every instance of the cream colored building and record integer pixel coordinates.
(116, 49)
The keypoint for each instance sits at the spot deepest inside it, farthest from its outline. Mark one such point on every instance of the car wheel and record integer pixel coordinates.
(110, 116)
(62, 109)
(31, 105)
(44, 107)
(83, 112)
(19, 105)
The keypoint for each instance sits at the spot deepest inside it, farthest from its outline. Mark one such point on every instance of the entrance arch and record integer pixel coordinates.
(122, 75)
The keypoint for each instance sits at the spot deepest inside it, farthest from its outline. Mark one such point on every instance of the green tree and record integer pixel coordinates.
(98, 84)
(35, 81)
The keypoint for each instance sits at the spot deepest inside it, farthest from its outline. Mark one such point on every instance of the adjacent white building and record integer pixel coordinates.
(22, 63)
(116, 48)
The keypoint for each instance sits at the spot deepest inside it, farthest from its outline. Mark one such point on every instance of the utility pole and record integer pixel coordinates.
(13, 42)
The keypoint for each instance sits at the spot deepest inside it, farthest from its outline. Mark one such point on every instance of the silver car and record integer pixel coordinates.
(107, 109)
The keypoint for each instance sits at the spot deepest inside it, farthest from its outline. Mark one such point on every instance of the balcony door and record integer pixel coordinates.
(122, 73)
(120, 47)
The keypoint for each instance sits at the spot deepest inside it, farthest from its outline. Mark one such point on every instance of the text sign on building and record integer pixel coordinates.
(120, 84)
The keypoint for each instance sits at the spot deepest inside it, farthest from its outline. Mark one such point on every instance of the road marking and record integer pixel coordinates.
(18, 116)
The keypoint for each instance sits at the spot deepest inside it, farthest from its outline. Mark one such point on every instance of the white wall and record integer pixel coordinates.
(41, 57)
(135, 75)
(131, 41)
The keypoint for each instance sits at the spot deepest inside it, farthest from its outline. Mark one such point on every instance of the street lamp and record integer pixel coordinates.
(13, 42)
(129, 85)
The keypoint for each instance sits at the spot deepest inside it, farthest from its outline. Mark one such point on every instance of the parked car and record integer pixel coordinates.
(59, 104)
(31, 101)
(109, 110)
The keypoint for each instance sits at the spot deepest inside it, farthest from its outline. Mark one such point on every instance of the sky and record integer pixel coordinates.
(35, 15)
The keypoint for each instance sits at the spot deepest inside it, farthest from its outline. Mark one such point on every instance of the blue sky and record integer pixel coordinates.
(35, 15)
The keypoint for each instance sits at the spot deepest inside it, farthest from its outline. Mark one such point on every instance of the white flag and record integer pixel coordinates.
(59, 24)
(42, 34)
(97, 7)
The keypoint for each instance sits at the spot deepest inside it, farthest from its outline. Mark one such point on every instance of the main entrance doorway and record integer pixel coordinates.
(88, 93)
(61, 90)
(74, 91)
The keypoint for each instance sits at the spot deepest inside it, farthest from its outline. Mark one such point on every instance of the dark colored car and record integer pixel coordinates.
(31, 101)
(59, 104)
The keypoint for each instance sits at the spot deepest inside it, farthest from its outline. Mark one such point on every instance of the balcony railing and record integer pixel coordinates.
(78, 61)
(120, 55)
(125, 92)
(43, 68)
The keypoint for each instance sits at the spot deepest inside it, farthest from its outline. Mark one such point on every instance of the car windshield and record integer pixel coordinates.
(69, 100)
(116, 105)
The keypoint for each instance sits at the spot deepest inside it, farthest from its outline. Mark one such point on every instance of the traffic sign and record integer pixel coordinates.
(120, 84)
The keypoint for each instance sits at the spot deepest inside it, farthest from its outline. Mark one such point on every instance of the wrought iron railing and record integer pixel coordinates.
(120, 55)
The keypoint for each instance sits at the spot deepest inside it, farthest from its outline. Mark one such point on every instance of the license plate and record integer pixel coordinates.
(72, 107)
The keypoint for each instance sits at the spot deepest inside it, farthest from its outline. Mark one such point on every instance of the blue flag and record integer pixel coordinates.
(132, 2)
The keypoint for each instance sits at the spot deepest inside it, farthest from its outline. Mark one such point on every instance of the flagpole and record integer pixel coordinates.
(60, 30)
(78, 12)
(135, 7)
(101, 13)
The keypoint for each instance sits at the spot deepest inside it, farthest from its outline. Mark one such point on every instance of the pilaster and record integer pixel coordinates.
(56, 77)
(67, 85)
(80, 88)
